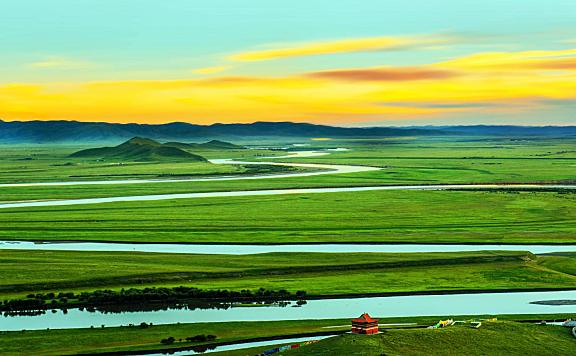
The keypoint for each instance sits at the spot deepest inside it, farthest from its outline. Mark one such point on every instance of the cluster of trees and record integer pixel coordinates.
(197, 338)
(22, 304)
(147, 295)
(134, 297)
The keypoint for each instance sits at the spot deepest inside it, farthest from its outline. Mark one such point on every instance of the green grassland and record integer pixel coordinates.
(319, 274)
(45, 163)
(505, 334)
(377, 216)
(417, 161)
(493, 338)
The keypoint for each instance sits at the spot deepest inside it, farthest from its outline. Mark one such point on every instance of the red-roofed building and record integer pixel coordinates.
(365, 325)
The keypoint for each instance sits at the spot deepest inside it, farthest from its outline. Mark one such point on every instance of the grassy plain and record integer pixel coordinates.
(100, 340)
(319, 274)
(49, 163)
(393, 216)
(418, 161)
(402, 216)
(493, 338)
(377, 216)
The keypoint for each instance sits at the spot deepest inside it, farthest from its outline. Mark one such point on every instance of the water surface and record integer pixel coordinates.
(242, 249)
(416, 305)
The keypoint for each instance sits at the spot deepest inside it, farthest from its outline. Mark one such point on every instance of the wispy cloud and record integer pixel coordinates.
(58, 62)
(340, 46)
(514, 61)
(211, 70)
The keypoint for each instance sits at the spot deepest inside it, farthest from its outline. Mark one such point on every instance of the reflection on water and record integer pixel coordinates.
(202, 349)
(417, 305)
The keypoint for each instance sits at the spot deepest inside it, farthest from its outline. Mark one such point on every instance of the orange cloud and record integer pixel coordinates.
(384, 74)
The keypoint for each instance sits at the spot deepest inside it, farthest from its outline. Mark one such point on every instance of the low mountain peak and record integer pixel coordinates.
(142, 141)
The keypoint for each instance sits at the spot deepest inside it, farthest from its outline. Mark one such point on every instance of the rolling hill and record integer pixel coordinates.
(140, 149)
(492, 338)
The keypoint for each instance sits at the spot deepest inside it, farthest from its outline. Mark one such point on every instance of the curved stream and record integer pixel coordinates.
(324, 169)
(319, 169)
(244, 193)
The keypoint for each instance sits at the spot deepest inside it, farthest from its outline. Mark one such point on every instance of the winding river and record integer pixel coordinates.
(320, 169)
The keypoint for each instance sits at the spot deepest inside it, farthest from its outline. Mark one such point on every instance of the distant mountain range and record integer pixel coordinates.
(88, 132)
(74, 131)
(506, 130)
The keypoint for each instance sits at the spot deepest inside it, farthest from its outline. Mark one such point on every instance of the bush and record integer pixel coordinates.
(168, 341)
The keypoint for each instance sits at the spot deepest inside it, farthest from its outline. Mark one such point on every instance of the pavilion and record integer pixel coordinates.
(365, 325)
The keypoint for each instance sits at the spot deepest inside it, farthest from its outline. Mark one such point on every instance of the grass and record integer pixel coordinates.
(45, 163)
(492, 338)
(377, 216)
(418, 161)
(59, 342)
(401, 216)
(322, 274)
(383, 216)
(121, 339)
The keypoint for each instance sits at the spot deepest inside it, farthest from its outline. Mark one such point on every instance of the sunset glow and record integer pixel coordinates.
(411, 77)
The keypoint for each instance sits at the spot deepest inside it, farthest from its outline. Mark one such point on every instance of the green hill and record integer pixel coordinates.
(492, 338)
(140, 149)
(220, 145)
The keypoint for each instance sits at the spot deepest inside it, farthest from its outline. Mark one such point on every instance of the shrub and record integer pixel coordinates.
(168, 341)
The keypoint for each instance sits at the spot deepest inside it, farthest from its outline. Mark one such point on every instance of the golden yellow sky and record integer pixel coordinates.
(345, 62)
(489, 82)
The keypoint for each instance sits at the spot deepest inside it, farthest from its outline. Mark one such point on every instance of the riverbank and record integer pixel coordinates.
(319, 274)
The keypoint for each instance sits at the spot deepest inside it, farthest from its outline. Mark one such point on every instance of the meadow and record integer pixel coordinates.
(511, 339)
(512, 335)
(379, 216)
(319, 274)
(418, 161)
(470, 217)
(376, 216)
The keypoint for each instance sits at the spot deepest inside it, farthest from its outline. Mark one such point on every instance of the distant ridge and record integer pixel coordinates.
(103, 132)
(139, 149)
(75, 131)
(507, 130)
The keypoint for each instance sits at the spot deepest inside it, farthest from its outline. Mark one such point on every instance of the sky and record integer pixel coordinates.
(337, 62)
